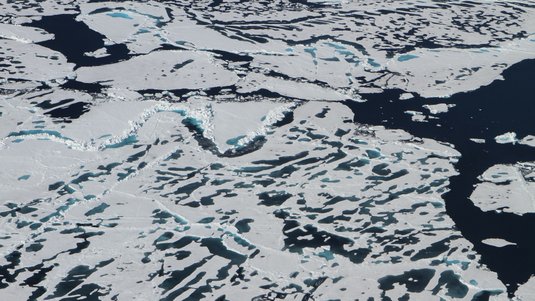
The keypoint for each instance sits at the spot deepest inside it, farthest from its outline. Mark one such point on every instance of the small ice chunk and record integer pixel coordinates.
(497, 242)
(509, 137)
(416, 116)
(406, 96)
(438, 108)
(477, 140)
(101, 52)
(529, 140)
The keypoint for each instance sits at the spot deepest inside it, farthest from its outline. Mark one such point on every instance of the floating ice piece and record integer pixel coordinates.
(405, 96)
(416, 116)
(439, 108)
(101, 52)
(477, 140)
(509, 137)
(529, 140)
(507, 188)
(498, 242)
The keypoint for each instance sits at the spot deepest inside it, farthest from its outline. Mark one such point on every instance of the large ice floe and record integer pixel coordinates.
(509, 188)
(162, 70)
(319, 207)
(188, 150)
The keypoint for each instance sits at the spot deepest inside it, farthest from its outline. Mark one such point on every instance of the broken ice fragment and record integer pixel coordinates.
(529, 140)
(509, 137)
(438, 108)
(497, 242)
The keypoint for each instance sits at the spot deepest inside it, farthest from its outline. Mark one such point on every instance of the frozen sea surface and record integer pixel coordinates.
(267, 150)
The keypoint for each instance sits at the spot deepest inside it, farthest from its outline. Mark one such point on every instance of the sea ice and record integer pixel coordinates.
(507, 188)
(497, 242)
(529, 140)
(161, 70)
(509, 137)
(165, 200)
(477, 140)
(24, 34)
(526, 291)
(120, 180)
(438, 108)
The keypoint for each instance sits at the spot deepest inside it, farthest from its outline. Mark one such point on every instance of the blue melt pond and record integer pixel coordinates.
(406, 57)
(127, 141)
(37, 132)
(24, 177)
(120, 15)
(235, 140)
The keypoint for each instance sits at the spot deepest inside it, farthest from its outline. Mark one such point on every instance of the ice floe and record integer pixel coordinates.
(162, 70)
(507, 188)
(509, 137)
(438, 108)
(497, 242)
(528, 140)
(416, 116)
(477, 140)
